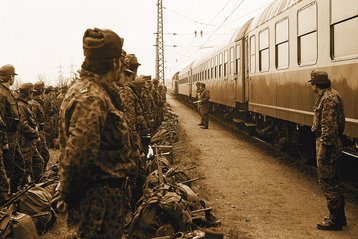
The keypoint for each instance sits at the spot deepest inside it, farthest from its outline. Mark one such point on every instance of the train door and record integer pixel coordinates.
(246, 69)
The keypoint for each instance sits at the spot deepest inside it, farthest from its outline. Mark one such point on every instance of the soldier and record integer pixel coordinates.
(204, 96)
(133, 64)
(40, 117)
(197, 102)
(137, 126)
(29, 134)
(158, 103)
(94, 143)
(50, 112)
(148, 102)
(328, 126)
(10, 114)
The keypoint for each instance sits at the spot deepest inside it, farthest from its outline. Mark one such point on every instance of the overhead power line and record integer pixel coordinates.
(232, 12)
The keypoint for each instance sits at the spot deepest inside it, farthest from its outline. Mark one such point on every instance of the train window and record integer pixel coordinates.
(252, 54)
(344, 25)
(216, 67)
(225, 63)
(232, 63)
(307, 35)
(220, 64)
(281, 44)
(264, 50)
(238, 57)
(212, 68)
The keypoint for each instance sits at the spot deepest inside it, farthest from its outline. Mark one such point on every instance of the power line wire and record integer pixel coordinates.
(232, 12)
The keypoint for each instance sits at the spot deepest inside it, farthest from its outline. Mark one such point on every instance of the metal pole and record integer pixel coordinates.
(160, 44)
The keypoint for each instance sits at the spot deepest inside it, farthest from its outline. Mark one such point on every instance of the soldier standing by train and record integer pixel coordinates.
(328, 126)
(94, 143)
(203, 101)
(29, 134)
(40, 117)
(13, 161)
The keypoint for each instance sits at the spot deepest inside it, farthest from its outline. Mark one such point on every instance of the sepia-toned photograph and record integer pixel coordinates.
(162, 119)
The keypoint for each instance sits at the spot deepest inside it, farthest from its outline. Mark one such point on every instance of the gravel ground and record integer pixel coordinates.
(252, 191)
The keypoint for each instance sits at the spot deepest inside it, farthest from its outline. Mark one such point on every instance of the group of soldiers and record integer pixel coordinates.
(25, 122)
(105, 123)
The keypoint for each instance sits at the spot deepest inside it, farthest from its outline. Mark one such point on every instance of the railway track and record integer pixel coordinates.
(349, 161)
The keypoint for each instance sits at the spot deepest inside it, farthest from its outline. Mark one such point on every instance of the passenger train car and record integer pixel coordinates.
(260, 76)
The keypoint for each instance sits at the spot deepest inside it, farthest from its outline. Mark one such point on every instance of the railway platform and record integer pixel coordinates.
(253, 191)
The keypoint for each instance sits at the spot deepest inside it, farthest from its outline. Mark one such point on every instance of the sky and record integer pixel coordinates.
(43, 38)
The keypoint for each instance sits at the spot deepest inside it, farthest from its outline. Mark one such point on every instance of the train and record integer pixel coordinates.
(259, 77)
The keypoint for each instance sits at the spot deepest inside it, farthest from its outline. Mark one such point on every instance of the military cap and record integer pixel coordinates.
(155, 81)
(132, 60)
(319, 77)
(147, 78)
(26, 87)
(7, 70)
(139, 81)
(39, 86)
(101, 43)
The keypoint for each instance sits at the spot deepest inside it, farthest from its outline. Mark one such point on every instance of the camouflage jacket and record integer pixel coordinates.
(204, 96)
(28, 125)
(39, 112)
(133, 109)
(49, 104)
(94, 137)
(157, 96)
(9, 109)
(328, 119)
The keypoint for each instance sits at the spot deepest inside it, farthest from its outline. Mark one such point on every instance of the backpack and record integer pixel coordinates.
(36, 202)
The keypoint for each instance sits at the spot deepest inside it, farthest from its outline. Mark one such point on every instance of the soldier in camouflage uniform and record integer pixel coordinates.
(328, 126)
(94, 143)
(40, 116)
(29, 134)
(148, 102)
(204, 96)
(137, 126)
(50, 112)
(13, 161)
(158, 109)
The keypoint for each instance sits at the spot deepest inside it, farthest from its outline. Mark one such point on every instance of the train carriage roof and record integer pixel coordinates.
(271, 11)
(240, 33)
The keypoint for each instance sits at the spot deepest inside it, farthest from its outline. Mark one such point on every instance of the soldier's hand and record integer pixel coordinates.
(5, 147)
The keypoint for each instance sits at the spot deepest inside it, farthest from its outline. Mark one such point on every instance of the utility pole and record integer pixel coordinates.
(160, 44)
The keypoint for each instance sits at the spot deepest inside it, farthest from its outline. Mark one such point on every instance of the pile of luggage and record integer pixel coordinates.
(169, 208)
(168, 131)
(30, 211)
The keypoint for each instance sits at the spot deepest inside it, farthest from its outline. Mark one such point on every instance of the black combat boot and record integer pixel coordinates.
(201, 124)
(331, 224)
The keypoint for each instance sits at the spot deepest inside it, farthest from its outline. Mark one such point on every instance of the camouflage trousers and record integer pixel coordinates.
(204, 113)
(100, 214)
(328, 167)
(34, 163)
(4, 184)
(13, 161)
(43, 149)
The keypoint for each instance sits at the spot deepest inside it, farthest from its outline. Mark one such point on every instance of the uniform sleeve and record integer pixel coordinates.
(142, 123)
(329, 126)
(84, 120)
(206, 96)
